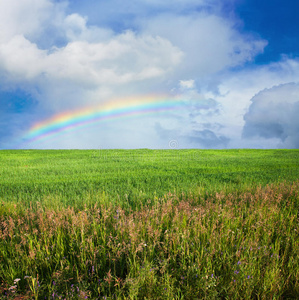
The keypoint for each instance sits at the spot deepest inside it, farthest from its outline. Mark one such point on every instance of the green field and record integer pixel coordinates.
(149, 224)
(137, 175)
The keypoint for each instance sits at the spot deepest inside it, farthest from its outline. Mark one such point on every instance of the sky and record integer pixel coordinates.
(126, 74)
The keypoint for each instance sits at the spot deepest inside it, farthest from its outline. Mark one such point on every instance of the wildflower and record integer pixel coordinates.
(239, 262)
(17, 280)
(212, 275)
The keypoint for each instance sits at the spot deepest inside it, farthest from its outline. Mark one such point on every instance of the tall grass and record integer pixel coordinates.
(220, 245)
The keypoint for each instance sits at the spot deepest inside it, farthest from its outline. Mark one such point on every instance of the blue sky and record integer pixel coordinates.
(235, 63)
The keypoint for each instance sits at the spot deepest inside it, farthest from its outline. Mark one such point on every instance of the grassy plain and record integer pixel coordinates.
(149, 224)
(128, 177)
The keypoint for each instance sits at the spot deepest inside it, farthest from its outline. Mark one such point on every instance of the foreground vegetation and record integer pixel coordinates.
(234, 246)
(219, 240)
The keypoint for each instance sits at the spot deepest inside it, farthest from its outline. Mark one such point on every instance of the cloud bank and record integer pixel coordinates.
(273, 114)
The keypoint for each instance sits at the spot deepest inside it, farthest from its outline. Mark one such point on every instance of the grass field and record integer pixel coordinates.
(149, 224)
(128, 177)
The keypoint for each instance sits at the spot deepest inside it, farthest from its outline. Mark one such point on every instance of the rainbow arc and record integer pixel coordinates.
(111, 110)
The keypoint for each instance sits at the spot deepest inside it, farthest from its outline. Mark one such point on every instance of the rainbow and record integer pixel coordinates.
(111, 110)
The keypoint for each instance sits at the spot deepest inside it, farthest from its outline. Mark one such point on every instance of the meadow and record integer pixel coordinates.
(149, 224)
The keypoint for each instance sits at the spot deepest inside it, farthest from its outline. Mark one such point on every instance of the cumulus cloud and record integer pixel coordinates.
(209, 42)
(125, 58)
(88, 58)
(273, 113)
(98, 55)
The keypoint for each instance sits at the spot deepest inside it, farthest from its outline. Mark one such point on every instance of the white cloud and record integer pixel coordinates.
(187, 84)
(125, 58)
(234, 90)
(273, 113)
(209, 42)
(122, 59)
(23, 17)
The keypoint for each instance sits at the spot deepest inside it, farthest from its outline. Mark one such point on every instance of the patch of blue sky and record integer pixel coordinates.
(276, 21)
(14, 105)
(121, 15)
(16, 101)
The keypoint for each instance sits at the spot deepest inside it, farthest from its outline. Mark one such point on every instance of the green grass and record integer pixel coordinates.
(149, 224)
(130, 176)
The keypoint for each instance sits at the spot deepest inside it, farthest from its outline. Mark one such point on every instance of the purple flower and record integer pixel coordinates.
(212, 275)
(239, 262)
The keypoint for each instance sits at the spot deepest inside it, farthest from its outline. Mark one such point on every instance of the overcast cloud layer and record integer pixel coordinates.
(59, 56)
